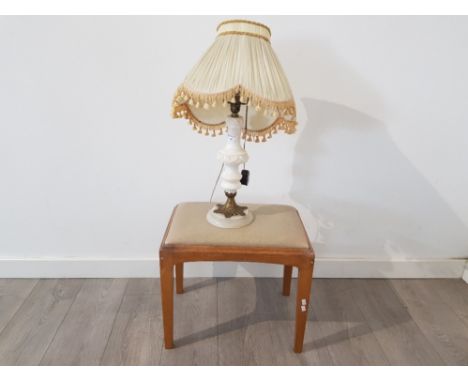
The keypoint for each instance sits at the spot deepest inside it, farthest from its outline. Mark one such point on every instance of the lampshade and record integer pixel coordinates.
(240, 61)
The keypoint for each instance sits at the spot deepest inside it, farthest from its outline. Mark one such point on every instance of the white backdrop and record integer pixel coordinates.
(91, 164)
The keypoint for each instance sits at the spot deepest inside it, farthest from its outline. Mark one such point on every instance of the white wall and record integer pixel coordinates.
(91, 164)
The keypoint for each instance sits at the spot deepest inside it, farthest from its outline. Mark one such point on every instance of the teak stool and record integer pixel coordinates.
(276, 236)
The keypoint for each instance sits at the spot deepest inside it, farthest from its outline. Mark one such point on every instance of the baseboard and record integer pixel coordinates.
(465, 273)
(148, 267)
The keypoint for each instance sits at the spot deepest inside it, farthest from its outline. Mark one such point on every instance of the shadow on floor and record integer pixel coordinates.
(329, 303)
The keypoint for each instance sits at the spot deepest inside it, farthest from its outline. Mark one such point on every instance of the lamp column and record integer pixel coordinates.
(229, 214)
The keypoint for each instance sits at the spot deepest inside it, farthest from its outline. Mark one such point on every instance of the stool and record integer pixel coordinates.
(276, 236)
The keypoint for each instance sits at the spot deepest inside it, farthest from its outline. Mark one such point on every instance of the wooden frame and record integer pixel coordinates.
(174, 256)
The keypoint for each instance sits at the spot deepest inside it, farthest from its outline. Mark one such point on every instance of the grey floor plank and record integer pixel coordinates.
(195, 325)
(443, 328)
(315, 351)
(454, 292)
(240, 321)
(83, 335)
(137, 333)
(344, 330)
(401, 339)
(28, 334)
(256, 323)
(236, 302)
(12, 294)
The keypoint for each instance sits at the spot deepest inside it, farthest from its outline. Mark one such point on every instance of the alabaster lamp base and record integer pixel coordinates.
(238, 221)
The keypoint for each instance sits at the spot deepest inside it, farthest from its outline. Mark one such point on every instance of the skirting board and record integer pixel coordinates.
(465, 273)
(149, 267)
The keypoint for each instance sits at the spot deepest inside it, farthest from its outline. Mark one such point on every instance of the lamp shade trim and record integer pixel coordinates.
(280, 124)
(208, 100)
(240, 21)
(245, 34)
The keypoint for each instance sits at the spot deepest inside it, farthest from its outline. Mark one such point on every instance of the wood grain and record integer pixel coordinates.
(455, 294)
(304, 283)
(287, 275)
(256, 324)
(12, 294)
(315, 351)
(27, 336)
(195, 332)
(137, 337)
(240, 321)
(344, 330)
(83, 335)
(399, 336)
(442, 327)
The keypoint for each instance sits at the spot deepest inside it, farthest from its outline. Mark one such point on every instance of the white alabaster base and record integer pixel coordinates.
(219, 220)
(233, 156)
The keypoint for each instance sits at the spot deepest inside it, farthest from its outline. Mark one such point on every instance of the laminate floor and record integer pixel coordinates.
(238, 321)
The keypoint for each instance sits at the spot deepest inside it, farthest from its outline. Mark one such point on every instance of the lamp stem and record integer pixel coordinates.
(232, 155)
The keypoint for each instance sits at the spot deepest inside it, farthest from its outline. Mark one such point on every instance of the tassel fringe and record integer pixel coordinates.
(280, 124)
(282, 109)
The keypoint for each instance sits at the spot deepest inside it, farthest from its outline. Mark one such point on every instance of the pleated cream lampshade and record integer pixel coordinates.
(240, 61)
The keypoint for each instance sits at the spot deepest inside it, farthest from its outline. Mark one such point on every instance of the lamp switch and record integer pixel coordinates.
(245, 177)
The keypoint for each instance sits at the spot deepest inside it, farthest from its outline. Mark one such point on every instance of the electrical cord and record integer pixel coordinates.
(245, 125)
(216, 183)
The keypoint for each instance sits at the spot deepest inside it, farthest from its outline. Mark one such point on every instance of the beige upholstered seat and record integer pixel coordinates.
(274, 226)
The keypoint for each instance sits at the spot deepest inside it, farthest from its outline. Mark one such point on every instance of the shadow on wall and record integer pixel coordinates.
(365, 198)
(361, 196)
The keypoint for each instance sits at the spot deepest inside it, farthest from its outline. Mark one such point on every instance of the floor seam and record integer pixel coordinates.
(61, 322)
(389, 282)
(20, 306)
(461, 318)
(113, 321)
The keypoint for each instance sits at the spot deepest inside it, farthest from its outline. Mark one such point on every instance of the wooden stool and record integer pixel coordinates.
(276, 236)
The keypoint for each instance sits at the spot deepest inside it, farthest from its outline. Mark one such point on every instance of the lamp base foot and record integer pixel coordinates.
(238, 221)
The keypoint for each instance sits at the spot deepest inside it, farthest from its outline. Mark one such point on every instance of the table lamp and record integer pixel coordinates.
(239, 69)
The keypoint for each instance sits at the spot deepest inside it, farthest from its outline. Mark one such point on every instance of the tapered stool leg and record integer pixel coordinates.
(287, 273)
(304, 284)
(167, 300)
(179, 272)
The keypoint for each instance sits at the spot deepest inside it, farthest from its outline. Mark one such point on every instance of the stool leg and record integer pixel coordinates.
(304, 284)
(287, 273)
(179, 276)
(167, 300)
